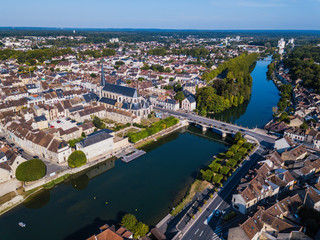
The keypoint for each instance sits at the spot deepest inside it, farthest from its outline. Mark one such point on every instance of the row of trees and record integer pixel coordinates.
(222, 166)
(31, 57)
(231, 91)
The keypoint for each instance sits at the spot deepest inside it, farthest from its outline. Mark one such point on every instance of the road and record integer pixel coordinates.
(259, 134)
(206, 225)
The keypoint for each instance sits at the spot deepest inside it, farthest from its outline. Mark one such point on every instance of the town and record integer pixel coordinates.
(68, 105)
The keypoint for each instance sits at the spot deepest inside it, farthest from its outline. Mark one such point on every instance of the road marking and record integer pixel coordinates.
(196, 231)
(200, 234)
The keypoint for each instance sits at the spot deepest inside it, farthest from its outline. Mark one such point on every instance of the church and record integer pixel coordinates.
(123, 98)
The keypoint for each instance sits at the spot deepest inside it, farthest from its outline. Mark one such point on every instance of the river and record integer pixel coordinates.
(147, 187)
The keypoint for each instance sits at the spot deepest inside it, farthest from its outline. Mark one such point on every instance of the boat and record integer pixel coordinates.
(21, 224)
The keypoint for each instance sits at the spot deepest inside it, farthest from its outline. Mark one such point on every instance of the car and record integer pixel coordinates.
(73, 121)
(2, 138)
(242, 130)
(58, 121)
(216, 213)
(11, 144)
(35, 157)
(223, 125)
(20, 150)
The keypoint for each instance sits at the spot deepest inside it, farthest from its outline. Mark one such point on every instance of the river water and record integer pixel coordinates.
(147, 187)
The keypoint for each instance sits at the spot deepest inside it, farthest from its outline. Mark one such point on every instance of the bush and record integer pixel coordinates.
(31, 170)
(229, 216)
(229, 154)
(224, 170)
(140, 230)
(130, 222)
(238, 156)
(206, 175)
(219, 159)
(217, 178)
(231, 163)
(215, 166)
(77, 159)
(247, 145)
(234, 148)
(243, 151)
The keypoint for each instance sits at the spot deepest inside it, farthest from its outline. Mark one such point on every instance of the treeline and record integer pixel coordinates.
(32, 56)
(231, 91)
(153, 129)
(303, 63)
(193, 52)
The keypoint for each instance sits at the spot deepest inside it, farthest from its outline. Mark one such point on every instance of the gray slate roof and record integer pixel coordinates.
(95, 138)
(125, 91)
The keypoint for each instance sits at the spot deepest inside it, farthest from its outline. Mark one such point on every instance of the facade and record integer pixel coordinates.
(97, 143)
(188, 104)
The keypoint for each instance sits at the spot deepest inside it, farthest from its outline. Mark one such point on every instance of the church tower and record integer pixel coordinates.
(103, 79)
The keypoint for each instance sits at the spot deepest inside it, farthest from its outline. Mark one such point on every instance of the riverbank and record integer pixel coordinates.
(153, 138)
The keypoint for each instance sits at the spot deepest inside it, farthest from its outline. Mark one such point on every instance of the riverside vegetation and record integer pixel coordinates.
(218, 170)
(231, 91)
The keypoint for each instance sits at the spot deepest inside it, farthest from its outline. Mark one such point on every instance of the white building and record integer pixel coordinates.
(96, 144)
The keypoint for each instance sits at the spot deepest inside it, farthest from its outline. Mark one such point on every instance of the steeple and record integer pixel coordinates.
(103, 79)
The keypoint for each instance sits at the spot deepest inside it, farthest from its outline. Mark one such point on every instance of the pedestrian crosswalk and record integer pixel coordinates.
(216, 233)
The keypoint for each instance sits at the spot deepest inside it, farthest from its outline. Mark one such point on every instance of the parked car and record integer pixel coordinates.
(35, 157)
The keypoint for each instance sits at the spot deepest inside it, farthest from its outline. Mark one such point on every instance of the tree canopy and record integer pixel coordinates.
(77, 159)
(31, 170)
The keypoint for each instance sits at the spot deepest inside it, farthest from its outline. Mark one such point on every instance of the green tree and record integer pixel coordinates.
(31, 170)
(179, 96)
(77, 159)
(83, 134)
(237, 137)
(140, 230)
(129, 221)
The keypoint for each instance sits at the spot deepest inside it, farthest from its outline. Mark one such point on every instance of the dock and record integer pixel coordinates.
(134, 153)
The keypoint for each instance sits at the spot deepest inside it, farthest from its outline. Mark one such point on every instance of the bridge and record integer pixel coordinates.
(223, 128)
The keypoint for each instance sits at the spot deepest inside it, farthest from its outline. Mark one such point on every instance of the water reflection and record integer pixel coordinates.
(39, 200)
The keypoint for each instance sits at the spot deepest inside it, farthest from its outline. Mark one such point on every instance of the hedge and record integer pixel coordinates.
(247, 145)
(31, 170)
(231, 163)
(241, 141)
(153, 129)
(206, 175)
(215, 166)
(77, 159)
(217, 178)
(219, 159)
(229, 154)
(234, 148)
(238, 156)
(243, 151)
(224, 170)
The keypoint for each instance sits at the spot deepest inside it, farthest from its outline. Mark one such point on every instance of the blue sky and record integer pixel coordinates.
(165, 14)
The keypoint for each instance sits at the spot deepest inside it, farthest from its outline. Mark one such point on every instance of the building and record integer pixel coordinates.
(96, 144)
(188, 104)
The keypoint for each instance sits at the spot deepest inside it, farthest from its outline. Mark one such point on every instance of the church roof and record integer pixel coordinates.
(125, 91)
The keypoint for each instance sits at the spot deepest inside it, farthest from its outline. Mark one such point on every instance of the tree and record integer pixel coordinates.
(93, 75)
(83, 134)
(97, 122)
(140, 230)
(304, 126)
(31, 170)
(179, 96)
(77, 159)
(237, 137)
(129, 221)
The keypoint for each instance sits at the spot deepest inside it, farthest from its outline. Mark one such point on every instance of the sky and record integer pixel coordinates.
(163, 14)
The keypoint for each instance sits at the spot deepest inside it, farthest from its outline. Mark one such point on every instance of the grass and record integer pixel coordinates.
(56, 181)
(7, 197)
(196, 186)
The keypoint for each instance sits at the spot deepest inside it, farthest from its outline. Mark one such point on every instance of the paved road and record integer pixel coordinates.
(206, 225)
(259, 134)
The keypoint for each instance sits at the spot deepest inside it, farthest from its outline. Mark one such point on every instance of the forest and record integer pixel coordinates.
(231, 91)
(303, 63)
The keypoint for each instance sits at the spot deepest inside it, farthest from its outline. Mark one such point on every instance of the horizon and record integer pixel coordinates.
(179, 14)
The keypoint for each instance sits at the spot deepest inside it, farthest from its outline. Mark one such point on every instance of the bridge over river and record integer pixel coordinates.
(222, 128)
